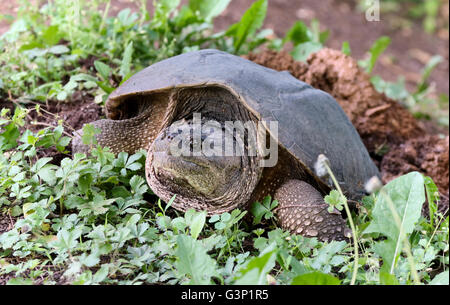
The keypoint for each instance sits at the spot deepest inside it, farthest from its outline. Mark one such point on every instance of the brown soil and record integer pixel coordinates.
(382, 123)
(50, 273)
(79, 110)
(6, 223)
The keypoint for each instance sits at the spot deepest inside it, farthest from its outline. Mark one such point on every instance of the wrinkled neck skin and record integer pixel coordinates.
(193, 161)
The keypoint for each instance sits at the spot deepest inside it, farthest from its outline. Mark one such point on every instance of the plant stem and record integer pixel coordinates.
(105, 14)
(352, 226)
(436, 228)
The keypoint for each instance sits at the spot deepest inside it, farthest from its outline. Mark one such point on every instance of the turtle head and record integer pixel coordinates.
(194, 163)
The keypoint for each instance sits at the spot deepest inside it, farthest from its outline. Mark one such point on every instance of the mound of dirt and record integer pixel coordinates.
(396, 141)
(428, 154)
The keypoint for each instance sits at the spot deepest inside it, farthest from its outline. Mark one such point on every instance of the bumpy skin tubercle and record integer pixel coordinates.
(303, 211)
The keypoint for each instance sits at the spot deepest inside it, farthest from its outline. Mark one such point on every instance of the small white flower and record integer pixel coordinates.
(373, 184)
(320, 166)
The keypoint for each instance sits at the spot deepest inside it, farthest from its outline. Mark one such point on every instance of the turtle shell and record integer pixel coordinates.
(310, 121)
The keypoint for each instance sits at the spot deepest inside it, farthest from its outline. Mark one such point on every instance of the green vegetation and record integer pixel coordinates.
(38, 59)
(428, 12)
(422, 102)
(93, 219)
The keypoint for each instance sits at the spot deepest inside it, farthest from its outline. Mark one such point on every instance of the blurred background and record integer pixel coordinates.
(418, 30)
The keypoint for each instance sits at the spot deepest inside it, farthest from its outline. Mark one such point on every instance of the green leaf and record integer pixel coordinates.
(315, 278)
(432, 192)
(208, 9)
(258, 211)
(67, 240)
(84, 182)
(196, 226)
(298, 33)
(89, 132)
(387, 279)
(47, 174)
(99, 205)
(125, 66)
(193, 261)
(441, 279)
(264, 209)
(101, 274)
(83, 77)
(346, 48)
(164, 8)
(429, 67)
(9, 136)
(138, 185)
(40, 163)
(171, 200)
(317, 35)
(375, 51)
(250, 22)
(335, 200)
(51, 35)
(326, 254)
(103, 69)
(89, 260)
(255, 272)
(395, 90)
(302, 51)
(20, 281)
(59, 49)
(407, 194)
(105, 87)
(125, 18)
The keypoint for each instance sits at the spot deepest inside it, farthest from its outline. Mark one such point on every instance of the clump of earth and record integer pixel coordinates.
(396, 141)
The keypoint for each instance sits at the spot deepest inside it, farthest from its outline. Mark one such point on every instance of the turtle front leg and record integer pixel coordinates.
(120, 135)
(302, 210)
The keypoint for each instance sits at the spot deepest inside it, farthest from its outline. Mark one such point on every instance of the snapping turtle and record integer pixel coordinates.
(175, 106)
